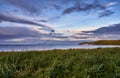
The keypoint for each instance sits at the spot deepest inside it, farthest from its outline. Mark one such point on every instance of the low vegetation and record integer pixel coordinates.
(72, 63)
(104, 42)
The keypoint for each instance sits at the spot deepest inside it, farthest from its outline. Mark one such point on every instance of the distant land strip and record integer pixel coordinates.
(102, 42)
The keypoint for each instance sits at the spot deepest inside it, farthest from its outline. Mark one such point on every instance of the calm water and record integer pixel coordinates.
(49, 47)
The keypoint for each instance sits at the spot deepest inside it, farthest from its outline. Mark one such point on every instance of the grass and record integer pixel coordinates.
(72, 63)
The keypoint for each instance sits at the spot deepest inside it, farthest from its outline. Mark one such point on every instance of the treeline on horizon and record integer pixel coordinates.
(72, 63)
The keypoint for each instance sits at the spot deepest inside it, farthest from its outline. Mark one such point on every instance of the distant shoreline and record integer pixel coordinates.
(27, 50)
(102, 42)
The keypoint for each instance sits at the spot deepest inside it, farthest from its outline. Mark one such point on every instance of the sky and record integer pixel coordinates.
(34, 21)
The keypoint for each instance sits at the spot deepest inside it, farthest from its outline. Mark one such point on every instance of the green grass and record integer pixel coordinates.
(72, 63)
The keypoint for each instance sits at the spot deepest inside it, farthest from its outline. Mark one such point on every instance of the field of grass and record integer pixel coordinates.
(103, 42)
(72, 63)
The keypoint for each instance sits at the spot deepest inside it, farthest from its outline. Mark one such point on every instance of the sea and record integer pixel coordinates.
(16, 48)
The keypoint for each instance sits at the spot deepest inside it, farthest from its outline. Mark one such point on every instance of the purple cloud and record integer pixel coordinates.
(24, 5)
(83, 6)
(7, 17)
(110, 32)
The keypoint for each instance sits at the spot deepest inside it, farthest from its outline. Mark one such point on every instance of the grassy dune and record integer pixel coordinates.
(78, 63)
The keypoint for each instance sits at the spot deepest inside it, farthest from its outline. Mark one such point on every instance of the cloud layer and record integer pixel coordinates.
(109, 32)
(46, 15)
(31, 35)
(27, 34)
(8, 17)
(17, 32)
(38, 7)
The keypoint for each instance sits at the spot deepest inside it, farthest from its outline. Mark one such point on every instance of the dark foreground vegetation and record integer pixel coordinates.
(103, 42)
(79, 63)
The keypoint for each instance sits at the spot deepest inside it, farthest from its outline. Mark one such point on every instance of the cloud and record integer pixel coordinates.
(110, 32)
(106, 13)
(42, 20)
(39, 7)
(7, 17)
(111, 4)
(57, 7)
(16, 40)
(84, 6)
(34, 7)
(17, 32)
(28, 34)
(31, 35)
(25, 5)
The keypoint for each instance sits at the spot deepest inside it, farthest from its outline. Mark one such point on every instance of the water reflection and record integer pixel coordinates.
(51, 47)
